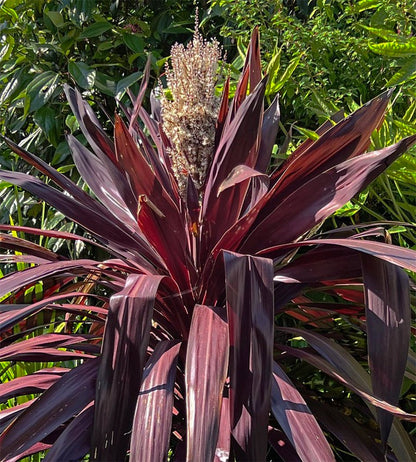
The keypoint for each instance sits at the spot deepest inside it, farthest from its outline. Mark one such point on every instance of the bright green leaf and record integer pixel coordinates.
(46, 118)
(41, 89)
(83, 74)
(96, 29)
(405, 73)
(134, 42)
(123, 84)
(56, 18)
(394, 49)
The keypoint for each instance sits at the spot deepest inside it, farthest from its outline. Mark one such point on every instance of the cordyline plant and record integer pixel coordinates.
(180, 354)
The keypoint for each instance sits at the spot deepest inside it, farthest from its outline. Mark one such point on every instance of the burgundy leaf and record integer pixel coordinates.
(361, 442)
(344, 368)
(115, 234)
(140, 96)
(222, 451)
(249, 296)
(74, 442)
(296, 420)
(106, 182)
(348, 138)
(237, 142)
(153, 416)
(125, 342)
(141, 176)
(399, 256)
(205, 374)
(9, 317)
(22, 245)
(269, 131)
(58, 178)
(319, 197)
(388, 320)
(29, 276)
(44, 348)
(238, 146)
(36, 448)
(171, 246)
(64, 399)
(253, 56)
(281, 444)
(238, 175)
(321, 264)
(30, 384)
(48, 233)
(102, 145)
(223, 112)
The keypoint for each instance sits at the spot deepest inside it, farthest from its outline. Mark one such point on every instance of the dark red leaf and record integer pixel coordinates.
(169, 244)
(240, 174)
(64, 399)
(269, 131)
(321, 264)
(44, 348)
(399, 256)
(360, 441)
(296, 420)
(388, 320)
(249, 296)
(125, 342)
(316, 199)
(22, 245)
(36, 448)
(222, 451)
(153, 417)
(106, 182)
(102, 145)
(205, 374)
(74, 442)
(28, 276)
(281, 444)
(113, 233)
(339, 364)
(30, 384)
(253, 56)
(10, 315)
(348, 138)
(140, 96)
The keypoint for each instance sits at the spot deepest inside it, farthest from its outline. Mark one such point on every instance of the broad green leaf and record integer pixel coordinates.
(83, 74)
(56, 18)
(13, 86)
(125, 83)
(409, 115)
(47, 120)
(81, 10)
(287, 73)
(96, 29)
(41, 89)
(394, 49)
(134, 42)
(406, 128)
(385, 34)
(308, 133)
(7, 49)
(105, 84)
(365, 5)
(405, 73)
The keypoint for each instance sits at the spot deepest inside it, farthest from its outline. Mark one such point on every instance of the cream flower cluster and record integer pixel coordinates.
(190, 115)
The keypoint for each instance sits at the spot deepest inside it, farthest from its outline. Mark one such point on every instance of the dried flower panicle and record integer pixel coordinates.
(189, 118)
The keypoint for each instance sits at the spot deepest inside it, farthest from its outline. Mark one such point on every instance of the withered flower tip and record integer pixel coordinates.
(190, 115)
